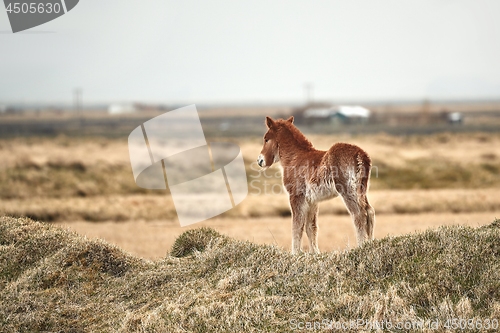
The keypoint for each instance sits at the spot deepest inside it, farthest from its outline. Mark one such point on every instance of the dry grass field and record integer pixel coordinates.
(124, 264)
(52, 280)
(86, 184)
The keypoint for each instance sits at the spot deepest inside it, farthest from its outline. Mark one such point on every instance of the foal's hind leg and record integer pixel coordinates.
(312, 228)
(363, 215)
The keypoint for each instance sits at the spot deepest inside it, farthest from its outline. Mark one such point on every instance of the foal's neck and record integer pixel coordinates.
(290, 135)
(293, 143)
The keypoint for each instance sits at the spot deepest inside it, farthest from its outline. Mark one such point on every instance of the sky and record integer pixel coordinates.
(189, 51)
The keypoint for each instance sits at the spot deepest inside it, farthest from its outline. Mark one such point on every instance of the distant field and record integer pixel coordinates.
(86, 183)
(84, 167)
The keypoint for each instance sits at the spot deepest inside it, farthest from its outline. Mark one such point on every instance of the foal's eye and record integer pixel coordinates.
(266, 140)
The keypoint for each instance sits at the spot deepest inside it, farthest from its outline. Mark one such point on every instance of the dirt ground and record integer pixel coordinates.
(154, 239)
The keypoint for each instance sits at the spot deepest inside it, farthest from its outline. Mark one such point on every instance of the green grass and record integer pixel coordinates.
(54, 280)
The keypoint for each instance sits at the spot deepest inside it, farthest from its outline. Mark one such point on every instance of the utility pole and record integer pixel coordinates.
(77, 100)
(78, 105)
(308, 90)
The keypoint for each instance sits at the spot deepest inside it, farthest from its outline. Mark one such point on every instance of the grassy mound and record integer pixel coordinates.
(195, 240)
(54, 280)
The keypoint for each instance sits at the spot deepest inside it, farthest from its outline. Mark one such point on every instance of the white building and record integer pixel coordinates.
(342, 112)
(121, 108)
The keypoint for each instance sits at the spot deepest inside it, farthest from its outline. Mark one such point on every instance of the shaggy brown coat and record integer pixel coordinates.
(311, 176)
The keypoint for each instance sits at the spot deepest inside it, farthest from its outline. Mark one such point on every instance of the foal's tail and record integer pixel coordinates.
(363, 172)
(364, 166)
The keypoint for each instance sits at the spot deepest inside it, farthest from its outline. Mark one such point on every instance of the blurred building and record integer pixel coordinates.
(345, 114)
(121, 108)
(455, 118)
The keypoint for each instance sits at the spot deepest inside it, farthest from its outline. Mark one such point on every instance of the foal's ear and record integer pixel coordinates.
(290, 120)
(269, 122)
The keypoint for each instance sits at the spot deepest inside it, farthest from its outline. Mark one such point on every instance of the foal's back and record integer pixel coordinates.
(350, 166)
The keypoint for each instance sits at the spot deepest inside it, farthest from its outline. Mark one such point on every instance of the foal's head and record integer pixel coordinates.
(270, 151)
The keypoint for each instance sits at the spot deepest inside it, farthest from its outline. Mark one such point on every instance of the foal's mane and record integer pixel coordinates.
(289, 129)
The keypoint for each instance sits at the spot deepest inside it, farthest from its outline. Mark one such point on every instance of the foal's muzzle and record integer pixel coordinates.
(260, 161)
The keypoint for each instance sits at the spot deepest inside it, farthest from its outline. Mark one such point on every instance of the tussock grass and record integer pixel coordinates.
(54, 280)
(195, 240)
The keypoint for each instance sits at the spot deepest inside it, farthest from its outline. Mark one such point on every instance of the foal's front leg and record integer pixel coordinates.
(299, 214)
